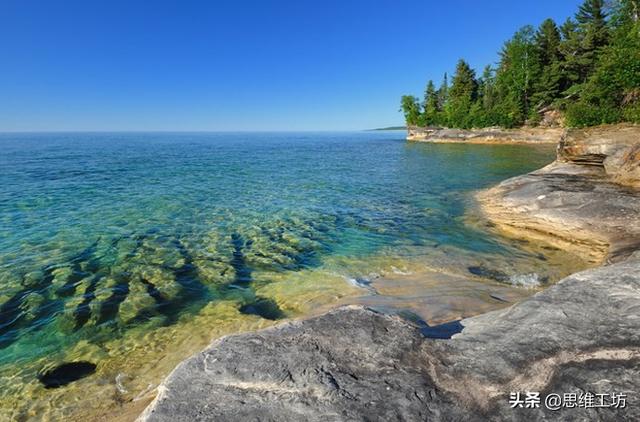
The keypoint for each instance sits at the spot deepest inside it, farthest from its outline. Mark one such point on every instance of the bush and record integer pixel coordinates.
(632, 113)
(582, 114)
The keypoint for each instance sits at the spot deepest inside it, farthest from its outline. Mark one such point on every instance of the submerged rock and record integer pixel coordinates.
(66, 373)
(481, 271)
(265, 308)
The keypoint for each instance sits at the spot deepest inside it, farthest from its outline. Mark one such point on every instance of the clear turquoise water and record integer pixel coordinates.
(101, 234)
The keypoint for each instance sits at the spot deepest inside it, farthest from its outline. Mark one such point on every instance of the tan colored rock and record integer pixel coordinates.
(624, 166)
(607, 145)
(573, 207)
(485, 136)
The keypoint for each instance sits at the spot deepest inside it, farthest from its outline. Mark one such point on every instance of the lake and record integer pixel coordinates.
(133, 250)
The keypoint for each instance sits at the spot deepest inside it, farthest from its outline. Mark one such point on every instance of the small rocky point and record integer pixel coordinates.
(580, 336)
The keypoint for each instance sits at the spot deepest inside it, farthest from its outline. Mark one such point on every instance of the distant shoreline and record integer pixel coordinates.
(387, 128)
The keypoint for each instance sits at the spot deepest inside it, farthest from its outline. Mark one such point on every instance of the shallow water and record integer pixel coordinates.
(133, 250)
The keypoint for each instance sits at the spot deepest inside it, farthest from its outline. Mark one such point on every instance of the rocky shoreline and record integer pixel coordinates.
(485, 136)
(580, 336)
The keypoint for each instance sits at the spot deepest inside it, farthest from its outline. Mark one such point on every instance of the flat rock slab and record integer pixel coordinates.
(352, 364)
(570, 203)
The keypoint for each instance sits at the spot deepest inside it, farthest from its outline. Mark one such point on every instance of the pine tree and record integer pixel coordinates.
(487, 99)
(612, 92)
(592, 23)
(625, 13)
(547, 45)
(463, 93)
(430, 104)
(443, 100)
(570, 64)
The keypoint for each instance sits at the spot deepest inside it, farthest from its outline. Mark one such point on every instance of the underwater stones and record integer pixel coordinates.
(137, 300)
(162, 302)
(110, 305)
(33, 278)
(31, 304)
(162, 279)
(66, 373)
(263, 307)
(214, 271)
(82, 313)
(484, 272)
(74, 276)
(60, 276)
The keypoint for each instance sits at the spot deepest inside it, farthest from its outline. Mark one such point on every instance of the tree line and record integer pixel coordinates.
(588, 68)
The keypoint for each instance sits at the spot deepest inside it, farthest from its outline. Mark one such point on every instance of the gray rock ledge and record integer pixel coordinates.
(352, 364)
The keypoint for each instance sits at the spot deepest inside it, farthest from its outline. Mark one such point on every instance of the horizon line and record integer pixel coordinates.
(193, 131)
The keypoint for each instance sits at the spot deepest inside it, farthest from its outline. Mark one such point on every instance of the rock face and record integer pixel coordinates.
(571, 206)
(615, 148)
(575, 202)
(349, 364)
(581, 335)
(485, 136)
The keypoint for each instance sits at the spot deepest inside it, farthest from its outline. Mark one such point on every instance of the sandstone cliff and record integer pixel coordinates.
(578, 201)
(615, 148)
(484, 136)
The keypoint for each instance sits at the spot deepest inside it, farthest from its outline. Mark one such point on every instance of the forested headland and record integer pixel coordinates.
(586, 70)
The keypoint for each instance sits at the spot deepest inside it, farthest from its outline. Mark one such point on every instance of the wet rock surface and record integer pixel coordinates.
(578, 336)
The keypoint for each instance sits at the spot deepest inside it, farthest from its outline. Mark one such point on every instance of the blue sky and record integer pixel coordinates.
(239, 65)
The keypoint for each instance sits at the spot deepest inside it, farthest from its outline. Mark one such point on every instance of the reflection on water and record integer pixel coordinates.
(132, 251)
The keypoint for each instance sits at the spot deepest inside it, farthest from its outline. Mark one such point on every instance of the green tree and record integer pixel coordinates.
(462, 95)
(443, 93)
(547, 46)
(625, 12)
(612, 92)
(589, 68)
(484, 113)
(571, 63)
(430, 104)
(518, 69)
(592, 35)
(410, 106)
